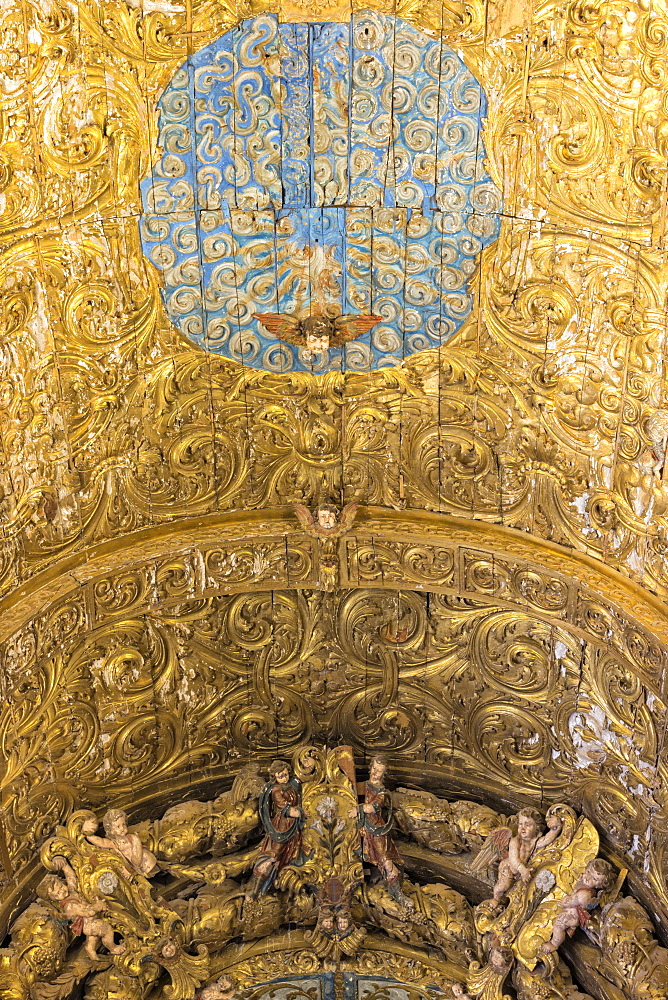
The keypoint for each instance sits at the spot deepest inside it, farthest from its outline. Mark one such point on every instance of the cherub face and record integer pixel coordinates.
(58, 891)
(526, 828)
(327, 923)
(343, 923)
(169, 949)
(593, 879)
(458, 990)
(119, 827)
(317, 341)
(326, 518)
(282, 777)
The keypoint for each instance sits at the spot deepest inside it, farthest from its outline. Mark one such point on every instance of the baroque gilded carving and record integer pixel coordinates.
(148, 642)
(323, 859)
(112, 422)
(565, 691)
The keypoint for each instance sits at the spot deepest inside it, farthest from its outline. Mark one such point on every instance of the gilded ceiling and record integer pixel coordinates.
(333, 415)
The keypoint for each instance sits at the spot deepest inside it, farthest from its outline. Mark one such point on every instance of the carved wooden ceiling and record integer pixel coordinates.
(485, 253)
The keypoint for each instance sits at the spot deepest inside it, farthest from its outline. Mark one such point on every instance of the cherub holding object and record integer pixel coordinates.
(326, 521)
(82, 915)
(127, 845)
(516, 851)
(575, 908)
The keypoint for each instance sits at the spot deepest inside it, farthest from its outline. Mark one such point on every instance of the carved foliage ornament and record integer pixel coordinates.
(124, 692)
(113, 421)
(341, 885)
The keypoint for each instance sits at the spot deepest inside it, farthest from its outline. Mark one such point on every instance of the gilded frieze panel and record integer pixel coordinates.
(161, 628)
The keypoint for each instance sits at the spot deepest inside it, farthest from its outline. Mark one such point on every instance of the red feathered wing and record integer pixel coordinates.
(282, 325)
(352, 327)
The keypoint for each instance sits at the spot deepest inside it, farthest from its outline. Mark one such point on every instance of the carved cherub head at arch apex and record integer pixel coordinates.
(327, 516)
(326, 520)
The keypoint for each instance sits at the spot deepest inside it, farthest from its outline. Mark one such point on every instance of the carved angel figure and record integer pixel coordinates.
(117, 838)
(575, 908)
(375, 823)
(516, 850)
(316, 333)
(82, 915)
(326, 521)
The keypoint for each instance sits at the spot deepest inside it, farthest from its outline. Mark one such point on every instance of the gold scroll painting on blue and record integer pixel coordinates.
(321, 197)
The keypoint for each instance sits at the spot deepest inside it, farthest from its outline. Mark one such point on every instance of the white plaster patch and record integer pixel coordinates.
(590, 751)
(580, 503)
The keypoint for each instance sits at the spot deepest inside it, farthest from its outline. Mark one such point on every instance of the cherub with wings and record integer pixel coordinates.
(326, 521)
(515, 851)
(316, 333)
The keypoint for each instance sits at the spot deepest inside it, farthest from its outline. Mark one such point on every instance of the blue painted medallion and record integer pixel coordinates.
(322, 197)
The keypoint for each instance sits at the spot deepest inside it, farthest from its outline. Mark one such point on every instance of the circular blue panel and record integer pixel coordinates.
(321, 197)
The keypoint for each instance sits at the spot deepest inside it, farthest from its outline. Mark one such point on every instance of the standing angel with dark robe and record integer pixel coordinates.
(282, 819)
(376, 822)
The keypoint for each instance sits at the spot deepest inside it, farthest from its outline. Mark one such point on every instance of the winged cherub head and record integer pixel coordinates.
(318, 332)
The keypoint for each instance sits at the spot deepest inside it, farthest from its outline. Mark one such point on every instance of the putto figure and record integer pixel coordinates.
(222, 989)
(118, 839)
(515, 851)
(375, 823)
(282, 818)
(82, 916)
(575, 908)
